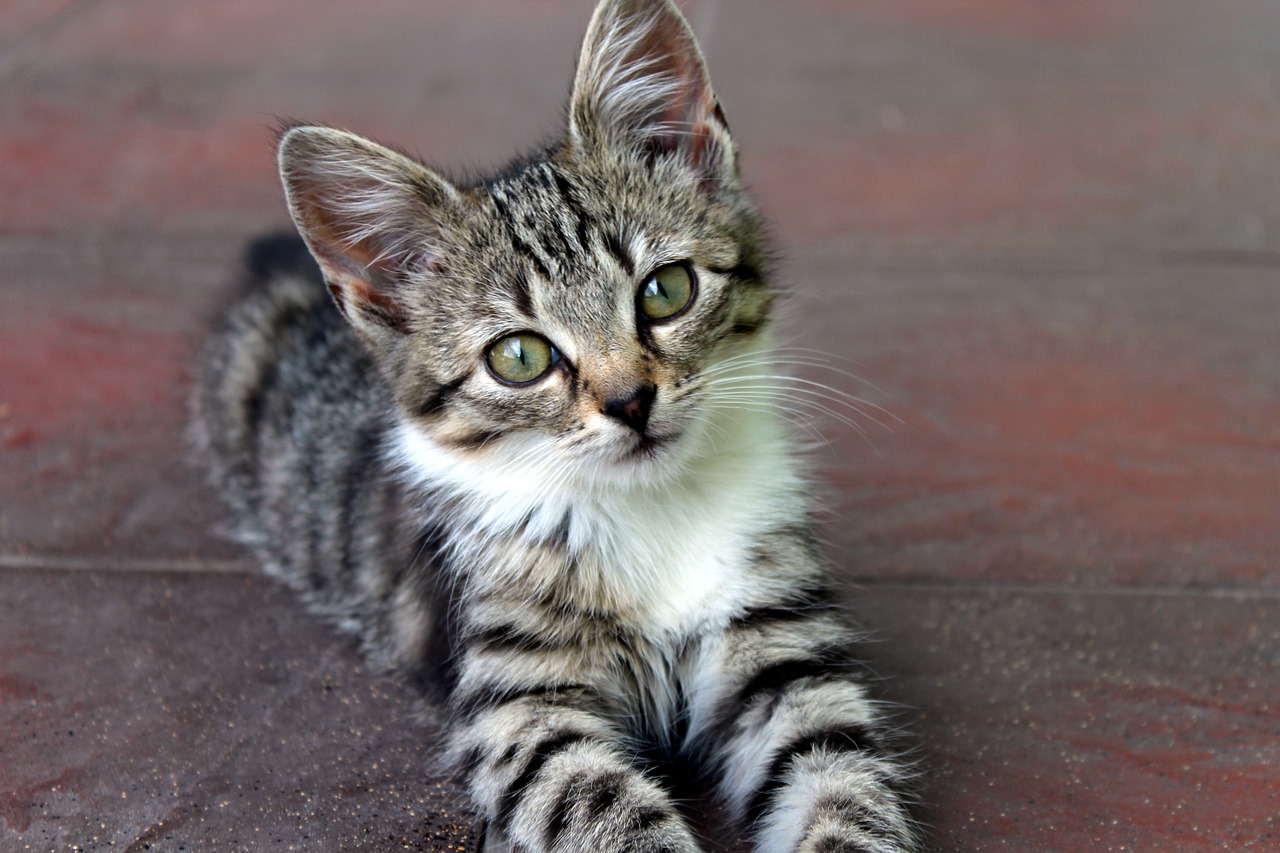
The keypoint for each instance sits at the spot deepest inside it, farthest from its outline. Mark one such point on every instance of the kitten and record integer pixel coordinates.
(531, 461)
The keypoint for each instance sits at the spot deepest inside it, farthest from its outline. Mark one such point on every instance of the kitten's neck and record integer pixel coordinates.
(672, 550)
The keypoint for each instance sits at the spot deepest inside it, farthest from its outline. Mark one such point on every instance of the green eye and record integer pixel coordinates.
(521, 358)
(667, 292)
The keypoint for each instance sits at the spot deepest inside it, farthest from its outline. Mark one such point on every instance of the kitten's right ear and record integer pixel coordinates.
(371, 217)
(642, 85)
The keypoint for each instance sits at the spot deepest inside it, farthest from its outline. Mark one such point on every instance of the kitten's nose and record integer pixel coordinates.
(634, 410)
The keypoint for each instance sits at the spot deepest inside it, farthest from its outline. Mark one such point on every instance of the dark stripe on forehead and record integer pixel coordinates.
(614, 244)
(522, 293)
(551, 224)
(527, 252)
(565, 188)
(545, 214)
(573, 207)
(567, 195)
(522, 248)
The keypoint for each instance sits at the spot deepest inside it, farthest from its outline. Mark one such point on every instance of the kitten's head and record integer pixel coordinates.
(573, 305)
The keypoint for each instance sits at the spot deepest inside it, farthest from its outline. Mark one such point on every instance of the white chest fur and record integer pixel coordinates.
(670, 551)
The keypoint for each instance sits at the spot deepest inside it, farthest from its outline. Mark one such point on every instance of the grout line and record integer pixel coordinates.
(125, 564)
(239, 567)
(1084, 589)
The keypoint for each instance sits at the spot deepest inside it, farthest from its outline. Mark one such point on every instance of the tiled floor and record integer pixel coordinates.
(1045, 235)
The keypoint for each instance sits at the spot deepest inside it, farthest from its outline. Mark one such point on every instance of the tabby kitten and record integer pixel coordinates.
(530, 459)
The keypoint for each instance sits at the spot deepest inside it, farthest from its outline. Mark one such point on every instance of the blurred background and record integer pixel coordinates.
(1044, 236)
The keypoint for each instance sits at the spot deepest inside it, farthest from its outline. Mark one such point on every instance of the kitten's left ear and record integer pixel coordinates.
(642, 85)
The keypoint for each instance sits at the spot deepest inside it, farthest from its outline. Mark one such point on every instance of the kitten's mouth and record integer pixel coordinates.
(648, 447)
(649, 444)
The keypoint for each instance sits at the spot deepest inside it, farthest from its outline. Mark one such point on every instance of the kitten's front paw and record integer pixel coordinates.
(845, 845)
(496, 842)
(853, 840)
(669, 839)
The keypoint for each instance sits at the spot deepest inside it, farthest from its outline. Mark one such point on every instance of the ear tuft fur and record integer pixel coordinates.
(642, 86)
(371, 217)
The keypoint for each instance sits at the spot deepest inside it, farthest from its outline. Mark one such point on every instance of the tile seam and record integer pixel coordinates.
(28, 562)
(1254, 593)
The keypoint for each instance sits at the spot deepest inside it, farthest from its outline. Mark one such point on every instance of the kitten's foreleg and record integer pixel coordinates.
(801, 746)
(550, 775)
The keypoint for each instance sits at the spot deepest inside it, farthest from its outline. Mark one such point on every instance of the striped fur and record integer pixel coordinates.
(610, 561)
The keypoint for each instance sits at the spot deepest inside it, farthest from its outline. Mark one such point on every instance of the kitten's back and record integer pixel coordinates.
(293, 416)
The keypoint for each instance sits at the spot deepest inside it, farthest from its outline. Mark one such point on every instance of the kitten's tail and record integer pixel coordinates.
(278, 254)
(238, 367)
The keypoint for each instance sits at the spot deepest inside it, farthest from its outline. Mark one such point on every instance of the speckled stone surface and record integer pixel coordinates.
(1087, 720)
(191, 711)
(1045, 237)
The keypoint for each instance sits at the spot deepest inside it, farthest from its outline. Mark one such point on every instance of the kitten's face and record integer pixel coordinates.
(575, 304)
(582, 303)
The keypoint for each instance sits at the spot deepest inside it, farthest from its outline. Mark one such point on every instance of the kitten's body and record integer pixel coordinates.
(607, 557)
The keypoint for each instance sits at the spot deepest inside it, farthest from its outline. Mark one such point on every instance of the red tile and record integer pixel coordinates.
(206, 711)
(96, 347)
(138, 118)
(1100, 427)
(23, 19)
(65, 171)
(1090, 20)
(1067, 722)
(1046, 231)
(210, 710)
(861, 129)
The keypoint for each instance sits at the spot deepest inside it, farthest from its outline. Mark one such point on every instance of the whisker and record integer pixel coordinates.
(863, 407)
(818, 407)
(799, 420)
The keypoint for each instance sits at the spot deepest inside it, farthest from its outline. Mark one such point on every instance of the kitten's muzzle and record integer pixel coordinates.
(633, 409)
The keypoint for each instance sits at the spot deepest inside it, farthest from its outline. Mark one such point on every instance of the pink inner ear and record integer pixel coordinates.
(357, 295)
(691, 114)
(684, 123)
(701, 138)
(369, 293)
(354, 273)
(676, 59)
